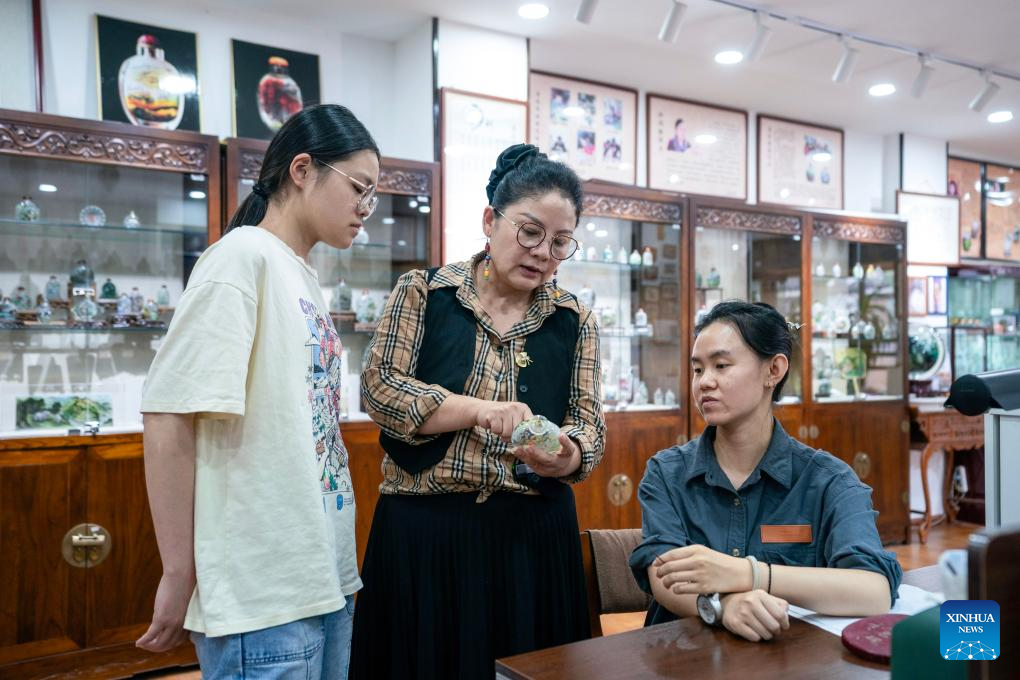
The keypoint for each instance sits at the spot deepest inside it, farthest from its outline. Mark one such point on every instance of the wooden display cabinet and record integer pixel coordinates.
(81, 564)
(632, 219)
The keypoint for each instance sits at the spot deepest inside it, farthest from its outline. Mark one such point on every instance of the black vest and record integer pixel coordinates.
(446, 356)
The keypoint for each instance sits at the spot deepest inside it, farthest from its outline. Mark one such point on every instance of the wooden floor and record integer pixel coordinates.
(943, 537)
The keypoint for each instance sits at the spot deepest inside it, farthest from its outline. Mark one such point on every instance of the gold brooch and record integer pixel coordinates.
(522, 359)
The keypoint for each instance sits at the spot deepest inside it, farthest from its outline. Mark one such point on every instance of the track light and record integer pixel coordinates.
(586, 10)
(923, 76)
(985, 95)
(762, 33)
(671, 26)
(845, 67)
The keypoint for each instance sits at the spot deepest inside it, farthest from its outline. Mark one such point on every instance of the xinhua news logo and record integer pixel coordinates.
(969, 630)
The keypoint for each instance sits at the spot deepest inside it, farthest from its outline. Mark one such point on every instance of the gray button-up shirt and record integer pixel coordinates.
(686, 499)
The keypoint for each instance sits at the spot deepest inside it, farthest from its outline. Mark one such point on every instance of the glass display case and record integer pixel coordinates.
(857, 343)
(402, 234)
(750, 254)
(103, 224)
(983, 310)
(628, 270)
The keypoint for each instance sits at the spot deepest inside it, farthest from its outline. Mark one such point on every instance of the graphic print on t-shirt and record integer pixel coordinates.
(323, 380)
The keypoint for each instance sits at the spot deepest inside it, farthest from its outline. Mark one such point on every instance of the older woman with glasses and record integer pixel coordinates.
(474, 551)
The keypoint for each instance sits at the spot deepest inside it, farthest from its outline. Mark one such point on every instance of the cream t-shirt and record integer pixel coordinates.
(252, 350)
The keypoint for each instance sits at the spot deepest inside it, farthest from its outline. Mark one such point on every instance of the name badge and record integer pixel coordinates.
(786, 533)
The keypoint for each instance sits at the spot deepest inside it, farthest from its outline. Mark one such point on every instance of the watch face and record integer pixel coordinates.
(705, 609)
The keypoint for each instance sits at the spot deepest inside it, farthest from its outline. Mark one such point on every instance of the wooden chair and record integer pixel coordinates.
(992, 574)
(608, 578)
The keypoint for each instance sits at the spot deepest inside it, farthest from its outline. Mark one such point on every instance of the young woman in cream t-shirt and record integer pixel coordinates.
(245, 467)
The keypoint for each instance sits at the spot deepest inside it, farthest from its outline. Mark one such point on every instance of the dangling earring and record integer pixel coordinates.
(556, 290)
(485, 270)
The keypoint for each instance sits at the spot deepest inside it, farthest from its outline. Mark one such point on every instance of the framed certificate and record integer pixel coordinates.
(933, 227)
(799, 164)
(590, 126)
(474, 129)
(696, 148)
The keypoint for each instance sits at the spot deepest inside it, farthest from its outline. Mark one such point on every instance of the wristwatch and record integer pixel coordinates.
(710, 609)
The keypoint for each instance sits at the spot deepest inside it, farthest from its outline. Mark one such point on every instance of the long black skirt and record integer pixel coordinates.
(451, 585)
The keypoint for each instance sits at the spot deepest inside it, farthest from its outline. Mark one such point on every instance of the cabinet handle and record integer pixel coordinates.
(802, 432)
(681, 439)
(86, 545)
(814, 432)
(905, 426)
(620, 489)
(862, 465)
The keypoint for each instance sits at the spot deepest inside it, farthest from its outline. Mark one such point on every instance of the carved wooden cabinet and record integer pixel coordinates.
(90, 210)
(630, 274)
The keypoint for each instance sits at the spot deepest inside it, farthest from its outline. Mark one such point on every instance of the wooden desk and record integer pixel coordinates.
(945, 430)
(688, 648)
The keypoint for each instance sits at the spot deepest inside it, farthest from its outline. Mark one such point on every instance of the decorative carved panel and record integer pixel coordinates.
(405, 182)
(251, 164)
(726, 218)
(638, 210)
(119, 149)
(856, 231)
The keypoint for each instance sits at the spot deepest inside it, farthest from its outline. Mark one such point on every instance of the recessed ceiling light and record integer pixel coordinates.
(388, 220)
(601, 233)
(401, 243)
(48, 188)
(736, 247)
(881, 90)
(412, 203)
(533, 10)
(997, 117)
(197, 195)
(822, 157)
(728, 57)
(425, 209)
(590, 226)
(706, 139)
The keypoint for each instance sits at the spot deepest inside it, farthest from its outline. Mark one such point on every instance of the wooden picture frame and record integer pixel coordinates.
(800, 164)
(474, 130)
(697, 148)
(589, 125)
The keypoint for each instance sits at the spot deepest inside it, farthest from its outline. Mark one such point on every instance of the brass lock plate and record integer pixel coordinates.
(86, 545)
(621, 488)
(862, 465)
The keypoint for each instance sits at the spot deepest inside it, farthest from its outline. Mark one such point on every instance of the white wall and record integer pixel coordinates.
(862, 172)
(482, 61)
(924, 164)
(357, 72)
(17, 87)
(412, 87)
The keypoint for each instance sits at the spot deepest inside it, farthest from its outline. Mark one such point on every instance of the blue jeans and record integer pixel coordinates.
(316, 648)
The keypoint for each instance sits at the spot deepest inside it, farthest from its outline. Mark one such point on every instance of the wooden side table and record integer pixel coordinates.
(945, 430)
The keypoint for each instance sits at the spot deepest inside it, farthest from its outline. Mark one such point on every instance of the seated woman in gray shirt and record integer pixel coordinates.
(744, 520)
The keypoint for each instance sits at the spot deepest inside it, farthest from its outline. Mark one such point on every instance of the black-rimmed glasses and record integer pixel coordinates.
(531, 235)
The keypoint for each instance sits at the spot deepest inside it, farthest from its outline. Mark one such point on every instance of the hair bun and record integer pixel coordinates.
(509, 159)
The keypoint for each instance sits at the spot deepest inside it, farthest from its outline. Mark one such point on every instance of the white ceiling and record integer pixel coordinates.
(792, 79)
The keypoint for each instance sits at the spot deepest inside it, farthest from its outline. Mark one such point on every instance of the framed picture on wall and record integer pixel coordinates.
(271, 84)
(474, 129)
(917, 296)
(799, 164)
(964, 181)
(938, 295)
(590, 126)
(148, 75)
(933, 227)
(696, 148)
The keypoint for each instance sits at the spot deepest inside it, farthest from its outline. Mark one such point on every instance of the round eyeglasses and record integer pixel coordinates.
(368, 200)
(531, 235)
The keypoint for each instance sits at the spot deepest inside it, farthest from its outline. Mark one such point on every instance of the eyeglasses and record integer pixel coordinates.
(531, 235)
(368, 201)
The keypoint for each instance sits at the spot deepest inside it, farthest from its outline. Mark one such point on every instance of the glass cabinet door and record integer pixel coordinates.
(969, 351)
(985, 304)
(856, 335)
(93, 260)
(731, 261)
(628, 273)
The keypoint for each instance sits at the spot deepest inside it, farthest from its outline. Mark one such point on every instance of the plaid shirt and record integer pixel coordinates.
(476, 460)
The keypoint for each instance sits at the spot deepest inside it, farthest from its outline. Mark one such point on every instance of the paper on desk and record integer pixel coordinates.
(911, 600)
